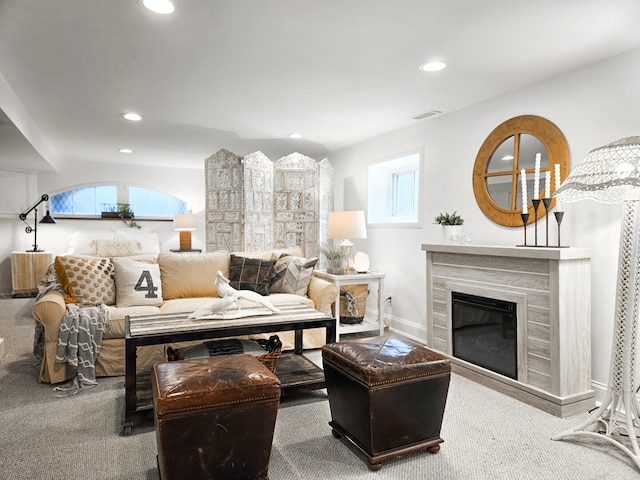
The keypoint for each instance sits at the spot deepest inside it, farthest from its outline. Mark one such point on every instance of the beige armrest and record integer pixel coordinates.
(49, 311)
(323, 294)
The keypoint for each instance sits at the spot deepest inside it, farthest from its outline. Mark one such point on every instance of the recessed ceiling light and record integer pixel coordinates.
(132, 116)
(159, 6)
(507, 157)
(125, 150)
(295, 135)
(433, 66)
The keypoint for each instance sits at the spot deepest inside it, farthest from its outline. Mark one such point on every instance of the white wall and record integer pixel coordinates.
(186, 184)
(592, 106)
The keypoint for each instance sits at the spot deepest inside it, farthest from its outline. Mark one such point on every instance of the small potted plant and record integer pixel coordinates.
(336, 258)
(451, 226)
(126, 215)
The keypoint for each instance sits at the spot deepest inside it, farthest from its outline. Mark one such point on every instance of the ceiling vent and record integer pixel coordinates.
(427, 114)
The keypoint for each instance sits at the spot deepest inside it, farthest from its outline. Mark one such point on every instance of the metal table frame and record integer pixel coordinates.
(136, 415)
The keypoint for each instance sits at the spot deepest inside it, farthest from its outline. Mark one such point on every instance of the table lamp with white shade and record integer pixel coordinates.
(347, 225)
(611, 174)
(185, 224)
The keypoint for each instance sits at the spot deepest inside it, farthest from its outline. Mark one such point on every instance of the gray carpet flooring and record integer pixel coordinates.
(486, 434)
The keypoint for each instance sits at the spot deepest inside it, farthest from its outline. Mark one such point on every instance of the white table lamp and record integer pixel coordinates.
(346, 225)
(185, 224)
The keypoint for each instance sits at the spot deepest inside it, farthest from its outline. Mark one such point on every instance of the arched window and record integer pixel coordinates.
(151, 203)
(83, 201)
(94, 199)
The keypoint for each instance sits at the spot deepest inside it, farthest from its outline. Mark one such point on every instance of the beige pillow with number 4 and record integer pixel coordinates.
(137, 283)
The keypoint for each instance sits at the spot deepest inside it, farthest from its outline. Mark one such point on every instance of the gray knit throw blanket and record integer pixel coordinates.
(79, 341)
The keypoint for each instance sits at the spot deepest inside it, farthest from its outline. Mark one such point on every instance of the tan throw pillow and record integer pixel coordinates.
(137, 283)
(188, 275)
(292, 275)
(250, 274)
(117, 248)
(86, 281)
(149, 241)
(81, 243)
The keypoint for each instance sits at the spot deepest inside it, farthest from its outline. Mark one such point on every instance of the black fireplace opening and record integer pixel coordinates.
(485, 333)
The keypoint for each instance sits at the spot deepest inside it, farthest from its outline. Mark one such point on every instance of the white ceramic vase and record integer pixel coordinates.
(452, 234)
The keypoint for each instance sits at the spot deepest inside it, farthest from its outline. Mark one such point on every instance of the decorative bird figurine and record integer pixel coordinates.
(226, 290)
(230, 296)
(224, 286)
(218, 306)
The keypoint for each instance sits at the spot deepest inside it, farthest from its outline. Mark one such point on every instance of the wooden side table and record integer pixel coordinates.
(369, 278)
(27, 269)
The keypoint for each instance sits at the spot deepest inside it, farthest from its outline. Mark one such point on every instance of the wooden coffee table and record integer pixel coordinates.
(294, 370)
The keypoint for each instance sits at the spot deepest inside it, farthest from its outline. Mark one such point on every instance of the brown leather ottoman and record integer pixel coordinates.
(215, 417)
(387, 396)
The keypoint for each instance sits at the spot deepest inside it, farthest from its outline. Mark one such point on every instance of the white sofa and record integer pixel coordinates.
(185, 283)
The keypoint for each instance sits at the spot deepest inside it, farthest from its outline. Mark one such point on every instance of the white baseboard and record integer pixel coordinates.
(406, 328)
(600, 390)
(401, 326)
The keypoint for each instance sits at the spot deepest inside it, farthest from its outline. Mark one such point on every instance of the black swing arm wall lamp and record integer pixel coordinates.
(46, 219)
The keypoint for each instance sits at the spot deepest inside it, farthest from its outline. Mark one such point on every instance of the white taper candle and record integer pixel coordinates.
(556, 174)
(547, 184)
(523, 180)
(536, 178)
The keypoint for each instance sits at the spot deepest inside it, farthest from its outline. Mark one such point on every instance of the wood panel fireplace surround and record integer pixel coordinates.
(546, 293)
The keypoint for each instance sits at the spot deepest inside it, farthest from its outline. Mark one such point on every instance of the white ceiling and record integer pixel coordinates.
(242, 74)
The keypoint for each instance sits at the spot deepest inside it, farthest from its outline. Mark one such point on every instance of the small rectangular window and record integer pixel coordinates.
(404, 204)
(394, 190)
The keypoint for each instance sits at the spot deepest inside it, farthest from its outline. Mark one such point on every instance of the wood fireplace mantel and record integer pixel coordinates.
(552, 290)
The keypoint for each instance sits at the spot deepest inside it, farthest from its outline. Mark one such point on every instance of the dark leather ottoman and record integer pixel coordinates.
(215, 417)
(387, 396)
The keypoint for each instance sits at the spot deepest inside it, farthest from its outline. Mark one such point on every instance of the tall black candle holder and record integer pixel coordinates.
(525, 219)
(546, 202)
(559, 216)
(536, 204)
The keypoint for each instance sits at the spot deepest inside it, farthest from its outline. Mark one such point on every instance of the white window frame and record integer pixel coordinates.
(380, 187)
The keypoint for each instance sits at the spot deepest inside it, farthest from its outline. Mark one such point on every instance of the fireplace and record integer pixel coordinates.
(551, 288)
(485, 333)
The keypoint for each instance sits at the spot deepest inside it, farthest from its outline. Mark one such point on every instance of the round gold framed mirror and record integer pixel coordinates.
(509, 148)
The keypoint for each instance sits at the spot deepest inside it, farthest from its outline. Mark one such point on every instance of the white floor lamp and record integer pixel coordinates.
(611, 174)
